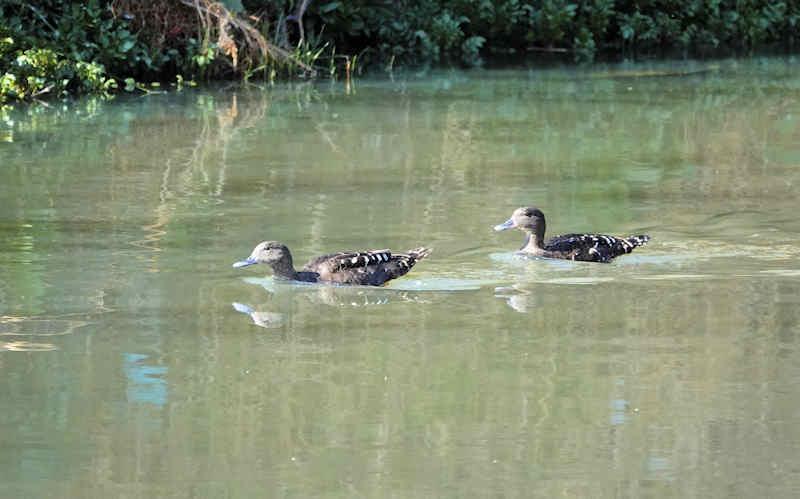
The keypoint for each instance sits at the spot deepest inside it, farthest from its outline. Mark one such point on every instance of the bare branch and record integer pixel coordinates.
(253, 39)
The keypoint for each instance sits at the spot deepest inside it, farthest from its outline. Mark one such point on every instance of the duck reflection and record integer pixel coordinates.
(518, 298)
(340, 296)
(276, 311)
(267, 320)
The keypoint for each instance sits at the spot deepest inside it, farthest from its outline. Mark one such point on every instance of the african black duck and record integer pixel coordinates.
(582, 247)
(369, 268)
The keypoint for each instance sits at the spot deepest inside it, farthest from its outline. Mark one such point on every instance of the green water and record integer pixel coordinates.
(126, 371)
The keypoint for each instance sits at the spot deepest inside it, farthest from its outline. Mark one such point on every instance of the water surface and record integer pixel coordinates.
(135, 362)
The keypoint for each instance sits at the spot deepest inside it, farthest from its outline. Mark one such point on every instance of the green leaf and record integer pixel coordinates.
(126, 45)
(627, 32)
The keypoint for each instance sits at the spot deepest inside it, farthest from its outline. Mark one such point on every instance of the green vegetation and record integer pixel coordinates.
(465, 30)
(57, 47)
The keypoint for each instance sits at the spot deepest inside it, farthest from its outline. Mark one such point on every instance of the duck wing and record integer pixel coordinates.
(373, 267)
(347, 260)
(592, 247)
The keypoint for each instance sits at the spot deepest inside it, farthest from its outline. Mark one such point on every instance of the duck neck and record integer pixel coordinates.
(535, 241)
(284, 268)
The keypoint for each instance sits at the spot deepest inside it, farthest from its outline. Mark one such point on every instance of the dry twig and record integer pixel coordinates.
(253, 39)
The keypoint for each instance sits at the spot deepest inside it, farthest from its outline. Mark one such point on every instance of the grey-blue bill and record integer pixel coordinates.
(245, 263)
(508, 224)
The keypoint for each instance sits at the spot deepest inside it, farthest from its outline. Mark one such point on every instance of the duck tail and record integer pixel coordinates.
(638, 240)
(419, 253)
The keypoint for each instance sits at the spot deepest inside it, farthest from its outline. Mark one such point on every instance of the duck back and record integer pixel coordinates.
(592, 247)
(370, 268)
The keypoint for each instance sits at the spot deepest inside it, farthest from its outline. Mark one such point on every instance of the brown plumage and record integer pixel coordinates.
(370, 268)
(583, 247)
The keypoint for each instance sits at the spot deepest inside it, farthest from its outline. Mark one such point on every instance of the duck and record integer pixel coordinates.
(581, 247)
(365, 268)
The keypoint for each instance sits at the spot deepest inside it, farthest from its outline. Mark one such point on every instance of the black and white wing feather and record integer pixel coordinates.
(592, 247)
(374, 267)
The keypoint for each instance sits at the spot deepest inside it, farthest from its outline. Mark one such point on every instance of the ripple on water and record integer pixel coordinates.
(14, 326)
(422, 284)
(683, 260)
(578, 280)
(671, 277)
(671, 261)
(36, 326)
(26, 346)
(440, 284)
(782, 272)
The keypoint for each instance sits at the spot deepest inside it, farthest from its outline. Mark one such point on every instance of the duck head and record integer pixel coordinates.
(528, 219)
(270, 252)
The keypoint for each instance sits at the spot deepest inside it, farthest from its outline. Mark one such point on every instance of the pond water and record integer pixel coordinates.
(135, 362)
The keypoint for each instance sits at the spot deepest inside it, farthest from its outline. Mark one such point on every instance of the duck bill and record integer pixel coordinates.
(245, 263)
(508, 224)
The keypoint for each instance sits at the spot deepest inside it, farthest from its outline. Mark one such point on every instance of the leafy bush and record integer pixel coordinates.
(437, 30)
(52, 47)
